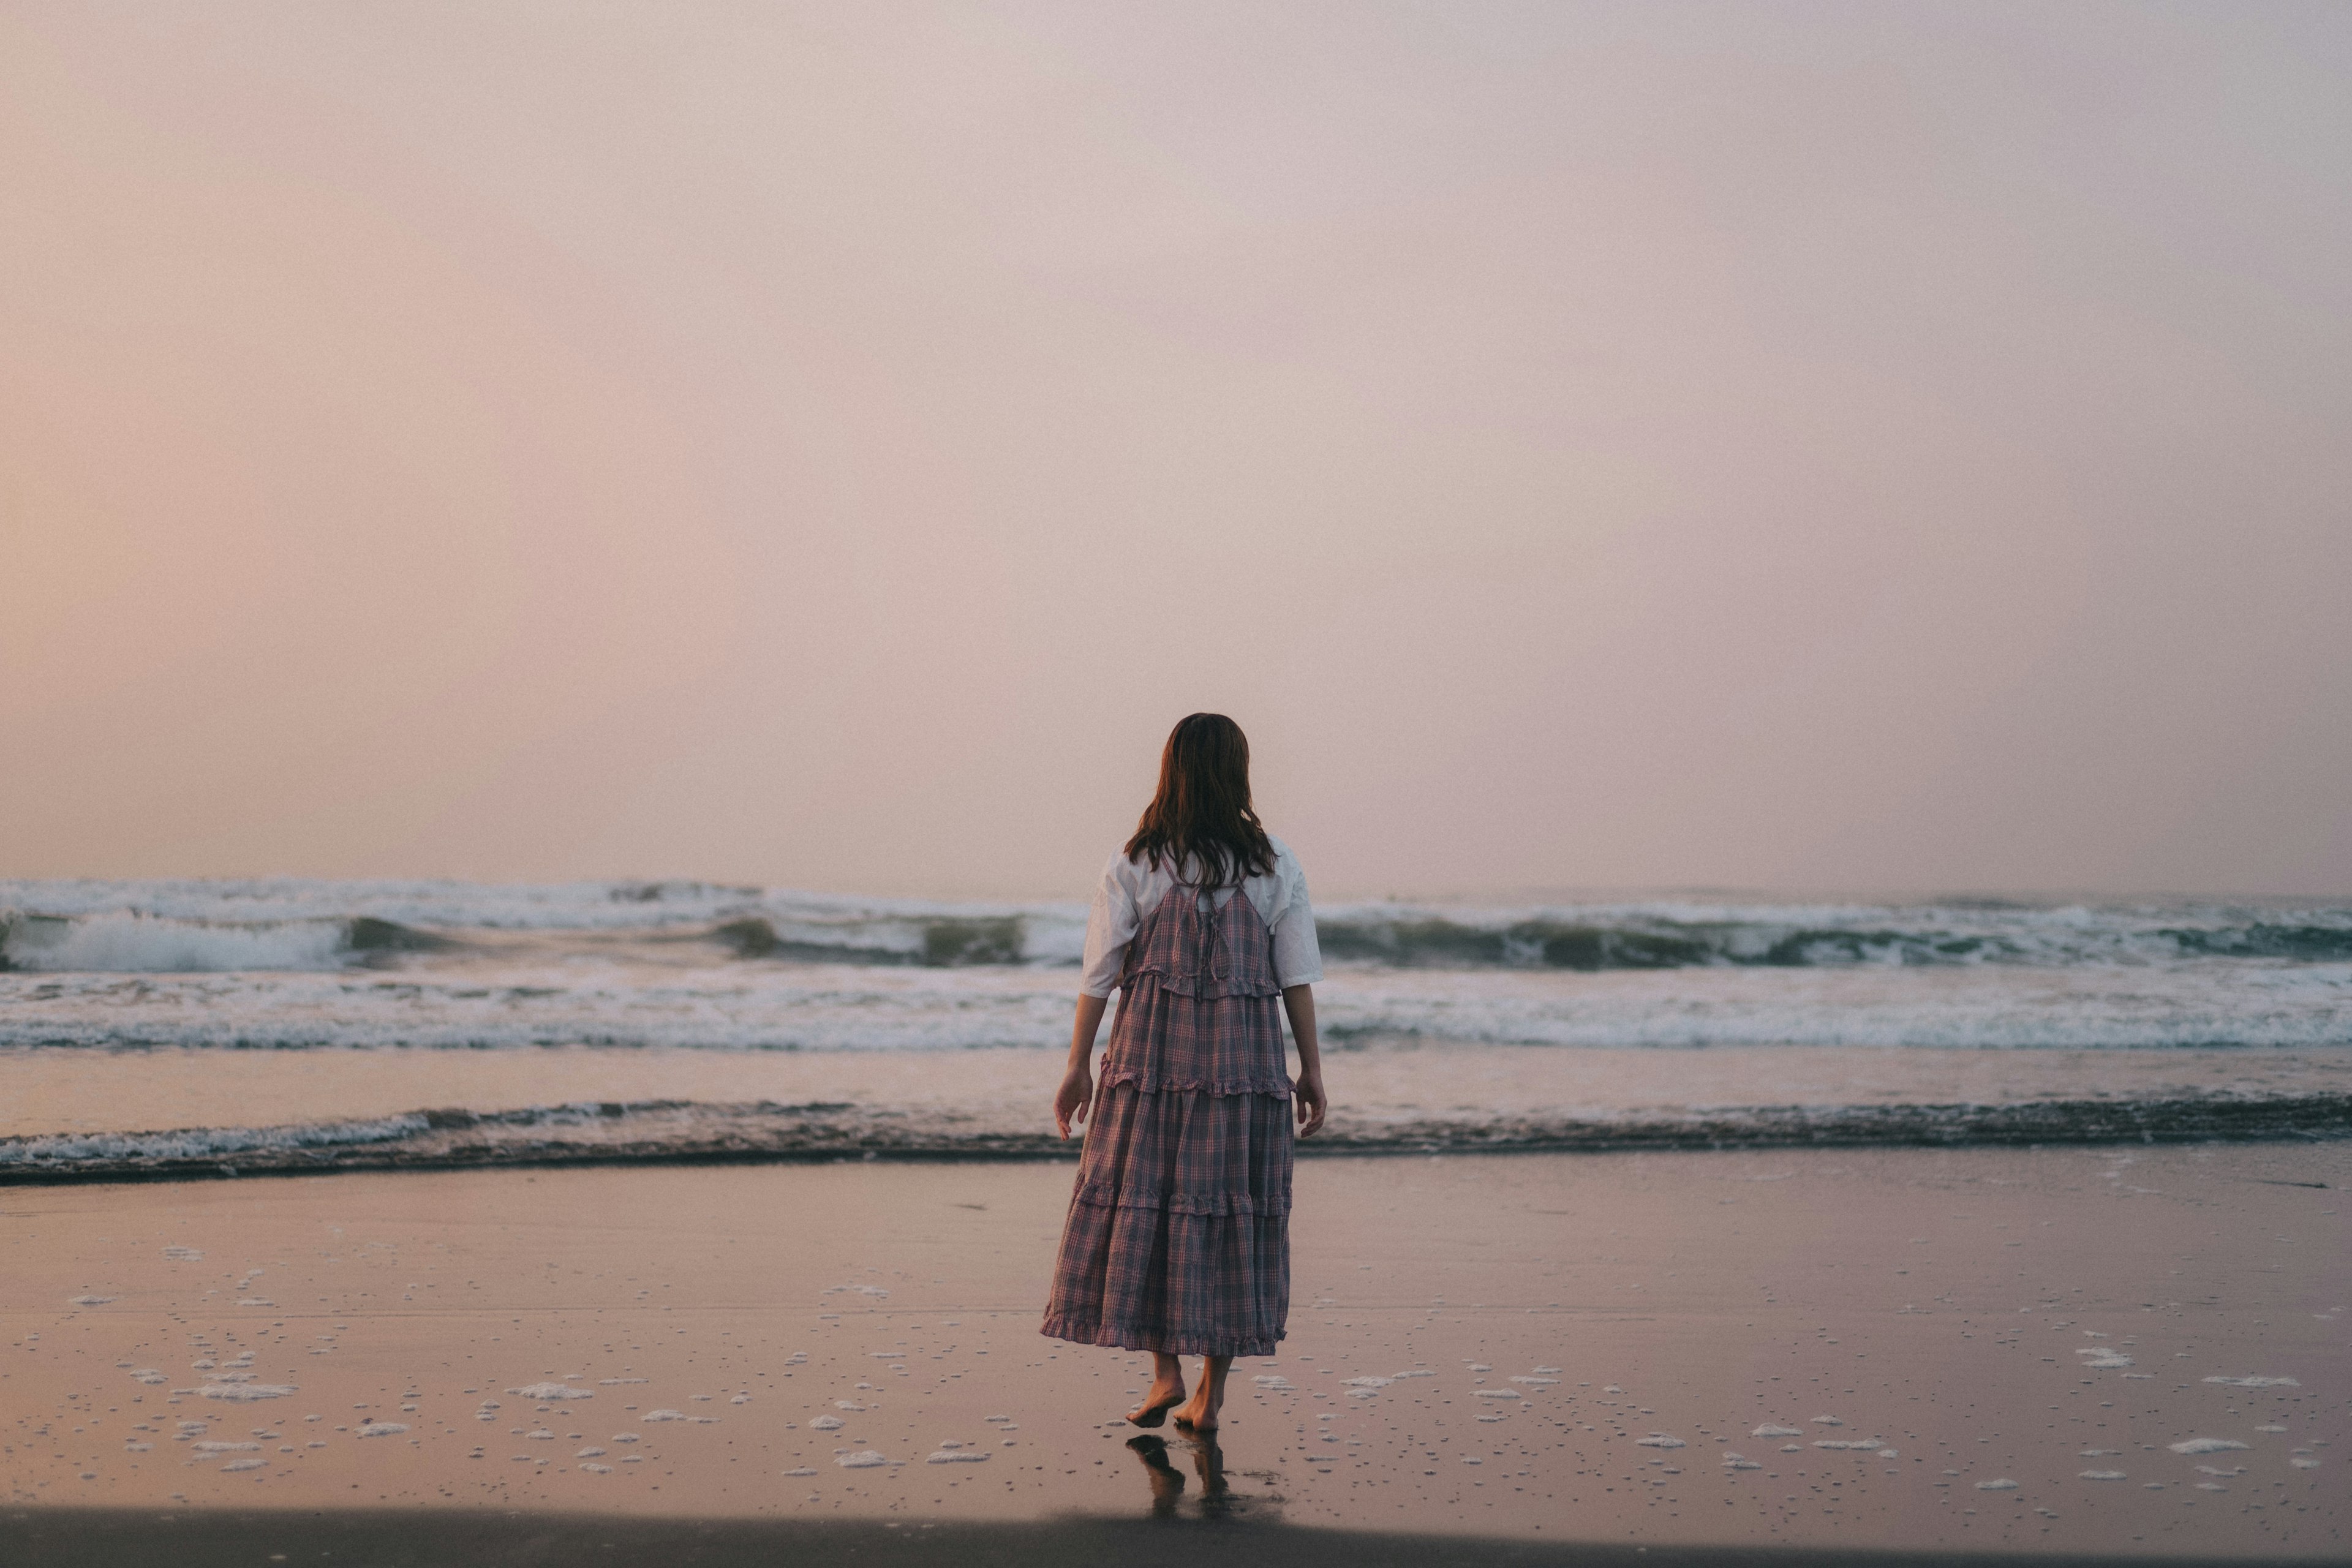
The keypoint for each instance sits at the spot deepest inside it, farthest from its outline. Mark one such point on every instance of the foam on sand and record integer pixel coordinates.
(864, 1459)
(2256, 1382)
(246, 1391)
(548, 1392)
(136, 1151)
(2208, 1446)
(951, 1452)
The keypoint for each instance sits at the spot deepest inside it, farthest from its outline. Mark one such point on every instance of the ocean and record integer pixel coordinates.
(170, 1028)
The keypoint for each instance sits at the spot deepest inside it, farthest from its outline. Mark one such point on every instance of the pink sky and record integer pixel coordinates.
(1821, 447)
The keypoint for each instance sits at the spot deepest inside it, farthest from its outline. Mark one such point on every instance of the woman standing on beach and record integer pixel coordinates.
(1178, 1238)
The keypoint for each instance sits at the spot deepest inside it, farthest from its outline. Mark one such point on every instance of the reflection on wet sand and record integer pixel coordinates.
(1168, 1481)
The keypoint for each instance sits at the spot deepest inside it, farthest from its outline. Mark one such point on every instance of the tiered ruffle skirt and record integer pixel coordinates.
(1178, 1237)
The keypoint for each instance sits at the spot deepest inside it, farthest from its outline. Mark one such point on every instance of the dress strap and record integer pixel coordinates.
(1216, 952)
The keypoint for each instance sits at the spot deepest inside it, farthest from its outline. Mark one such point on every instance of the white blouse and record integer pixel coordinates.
(1130, 891)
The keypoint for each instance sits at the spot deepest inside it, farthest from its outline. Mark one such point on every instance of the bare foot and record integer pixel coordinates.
(1158, 1401)
(1200, 1412)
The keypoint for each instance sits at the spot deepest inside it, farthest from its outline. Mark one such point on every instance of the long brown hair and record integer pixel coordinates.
(1201, 813)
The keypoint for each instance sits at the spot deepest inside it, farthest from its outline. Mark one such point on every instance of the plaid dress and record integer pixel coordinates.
(1178, 1237)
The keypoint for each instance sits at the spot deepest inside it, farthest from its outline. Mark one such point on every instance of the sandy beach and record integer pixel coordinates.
(2115, 1352)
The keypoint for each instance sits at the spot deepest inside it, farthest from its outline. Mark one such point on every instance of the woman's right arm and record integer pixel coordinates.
(1076, 1097)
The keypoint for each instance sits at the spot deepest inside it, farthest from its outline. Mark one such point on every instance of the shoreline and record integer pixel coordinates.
(767, 1134)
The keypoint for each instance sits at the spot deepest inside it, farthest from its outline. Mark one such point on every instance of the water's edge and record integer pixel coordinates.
(673, 1132)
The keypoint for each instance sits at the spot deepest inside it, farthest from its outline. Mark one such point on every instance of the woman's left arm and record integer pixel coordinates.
(1306, 1093)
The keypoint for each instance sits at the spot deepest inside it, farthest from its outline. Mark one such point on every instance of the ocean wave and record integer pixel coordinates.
(656, 1132)
(1652, 939)
(939, 942)
(120, 941)
(428, 904)
(290, 924)
(480, 999)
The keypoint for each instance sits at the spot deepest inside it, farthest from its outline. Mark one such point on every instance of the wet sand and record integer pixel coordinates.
(51, 1092)
(1594, 1338)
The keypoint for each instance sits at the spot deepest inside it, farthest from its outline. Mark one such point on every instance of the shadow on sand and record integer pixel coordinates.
(1182, 1524)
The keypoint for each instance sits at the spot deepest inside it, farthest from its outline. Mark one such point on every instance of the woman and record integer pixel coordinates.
(1178, 1238)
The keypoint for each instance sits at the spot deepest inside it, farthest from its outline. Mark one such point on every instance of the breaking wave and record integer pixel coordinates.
(1649, 938)
(939, 942)
(202, 927)
(132, 941)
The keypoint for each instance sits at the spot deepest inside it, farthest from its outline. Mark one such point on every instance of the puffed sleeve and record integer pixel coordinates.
(1297, 956)
(1111, 926)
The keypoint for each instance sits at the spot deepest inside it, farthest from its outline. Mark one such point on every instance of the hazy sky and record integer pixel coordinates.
(1818, 446)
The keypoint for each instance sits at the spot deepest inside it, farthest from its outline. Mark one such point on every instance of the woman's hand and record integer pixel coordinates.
(1307, 1088)
(1306, 1096)
(1074, 1099)
(1076, 1095)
